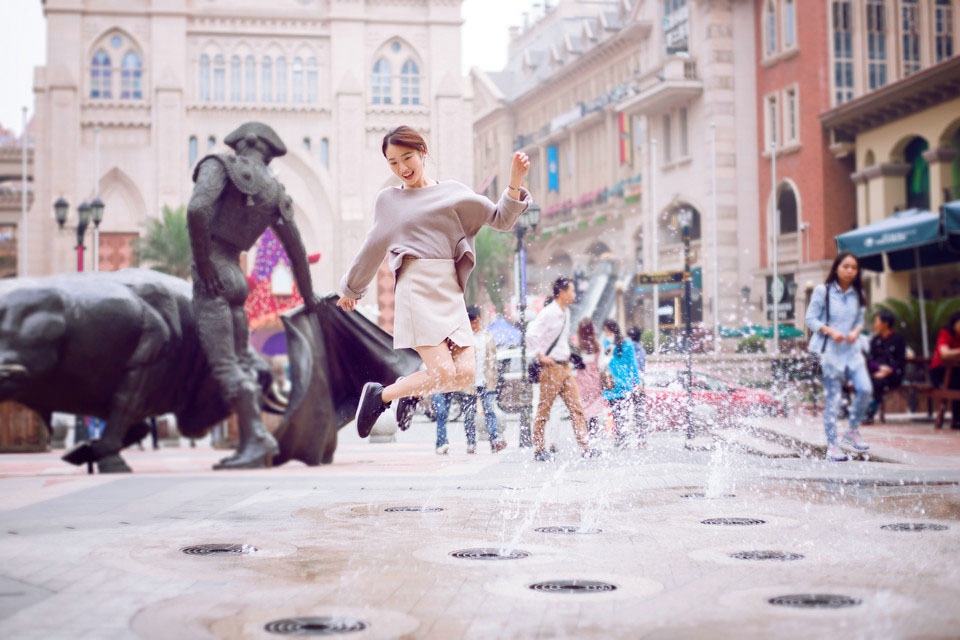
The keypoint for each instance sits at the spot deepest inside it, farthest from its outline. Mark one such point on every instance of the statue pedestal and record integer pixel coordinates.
(385, 429)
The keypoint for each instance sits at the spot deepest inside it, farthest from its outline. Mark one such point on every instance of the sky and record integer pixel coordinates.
(485, 30)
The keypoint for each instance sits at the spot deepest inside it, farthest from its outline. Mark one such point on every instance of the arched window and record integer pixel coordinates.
(910, 24)
(380, 82)
(410, 83)
(192, 150)
(281, 79)
(876, 44)
(100, 76)
(943, 29)
(325, 152)
(787, 206)
(250, 79)
(306, 143)
(296, 83)
(918, 180)
(266, 80)
(211, 142)
(789, 24)
(236, 79)
(313, 83)
(204, 79)
(219, 79)
(769, 28)
(130, 77)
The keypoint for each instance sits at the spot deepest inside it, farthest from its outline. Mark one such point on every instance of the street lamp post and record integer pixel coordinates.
(528, 221)
(85, 213)
(685, 219)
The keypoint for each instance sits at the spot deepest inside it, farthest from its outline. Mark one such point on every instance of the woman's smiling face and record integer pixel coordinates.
(406, 163)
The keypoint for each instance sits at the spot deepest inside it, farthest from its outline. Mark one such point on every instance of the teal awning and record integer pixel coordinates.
(905, 237)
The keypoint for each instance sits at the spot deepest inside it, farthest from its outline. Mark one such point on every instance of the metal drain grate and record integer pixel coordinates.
(413, 509)
(815, 601)
(321, 626)
(572, 586)
(219, 549)
(567, 529)
(914, 526)
(701, 495)
(732, 522)
(488, 553)
(782, 556)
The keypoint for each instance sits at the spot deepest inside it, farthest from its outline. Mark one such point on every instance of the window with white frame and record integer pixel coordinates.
(103, 74)
(682, 133)
(130, 77)
(771, 122)
(791, 116)
(410, 83)
(236, 79)
(204, 79)
(789, 11)
(296, 82)
(100, 80)
(910, 36)
(943, 30)
(250, 78)
(219, 78)
(876, 44)
(667, 148)
(313, 82)
(769, 27)
(405, 87)
(281, 79)
(266, 79)
(380, 83)
(841, 16)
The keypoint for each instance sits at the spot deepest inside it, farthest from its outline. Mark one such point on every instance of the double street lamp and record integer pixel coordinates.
(85, 214)
(528, 221)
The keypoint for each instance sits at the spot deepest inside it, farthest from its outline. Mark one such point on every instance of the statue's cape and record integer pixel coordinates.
(332, 355)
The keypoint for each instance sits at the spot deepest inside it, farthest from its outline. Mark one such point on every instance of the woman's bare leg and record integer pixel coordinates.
(449, 368)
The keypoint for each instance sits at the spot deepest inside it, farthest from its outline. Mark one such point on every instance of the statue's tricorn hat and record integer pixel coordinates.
(256, 130)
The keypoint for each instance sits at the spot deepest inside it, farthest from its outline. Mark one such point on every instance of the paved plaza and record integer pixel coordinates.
(751, 535)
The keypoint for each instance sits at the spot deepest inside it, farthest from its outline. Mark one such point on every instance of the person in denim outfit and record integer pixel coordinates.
(836, 324)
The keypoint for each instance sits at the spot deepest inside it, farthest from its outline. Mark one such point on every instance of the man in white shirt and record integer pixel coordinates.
(548, 340)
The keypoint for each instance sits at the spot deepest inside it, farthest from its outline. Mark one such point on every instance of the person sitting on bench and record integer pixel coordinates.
(948, 346)
(885, 360)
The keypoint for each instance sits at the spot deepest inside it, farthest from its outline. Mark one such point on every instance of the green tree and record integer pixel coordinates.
(908, 318)
(165, 246)
(494, 263)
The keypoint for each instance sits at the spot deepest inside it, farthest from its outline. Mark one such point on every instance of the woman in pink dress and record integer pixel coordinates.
(588, 378)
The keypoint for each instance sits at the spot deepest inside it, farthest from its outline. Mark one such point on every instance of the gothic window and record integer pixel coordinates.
(313, 84)
(296, 82)
(410, 83)
(236, 82)
(380, 82)
(943, 25)
(211, 142)
(204, 92)
(842, 51)
(789, 24)
(667, 147)
(325, 152)
(787, 208)
(876, 44)
(192, 150)
(266, 82)
(219, 79)
(281, 79)
(769, 28)
(100, 76)
(130, 77)
(250, 78)
(910, 24)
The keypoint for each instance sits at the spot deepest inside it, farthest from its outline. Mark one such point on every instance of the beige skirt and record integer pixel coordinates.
(429, 306)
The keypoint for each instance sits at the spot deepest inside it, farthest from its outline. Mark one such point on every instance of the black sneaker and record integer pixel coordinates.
(369, 408)
(406, 407)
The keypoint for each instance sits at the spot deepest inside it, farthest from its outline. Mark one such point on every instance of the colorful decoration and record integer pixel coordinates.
(263, 306)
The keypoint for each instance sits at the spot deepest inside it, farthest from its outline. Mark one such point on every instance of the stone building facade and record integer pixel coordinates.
(135, 92)
(617, 104)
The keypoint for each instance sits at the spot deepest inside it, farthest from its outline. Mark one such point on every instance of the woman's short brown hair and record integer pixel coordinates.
(404, 136)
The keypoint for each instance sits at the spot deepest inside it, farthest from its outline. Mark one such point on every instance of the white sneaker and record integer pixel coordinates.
(836, 454)
(853, 440)
(443, 449)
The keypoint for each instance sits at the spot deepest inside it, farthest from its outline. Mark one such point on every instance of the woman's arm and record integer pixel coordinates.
(354, 283)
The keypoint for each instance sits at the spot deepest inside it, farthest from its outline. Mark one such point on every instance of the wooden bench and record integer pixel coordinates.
(943, 394)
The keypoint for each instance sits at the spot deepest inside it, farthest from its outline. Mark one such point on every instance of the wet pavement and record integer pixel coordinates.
(749, 535)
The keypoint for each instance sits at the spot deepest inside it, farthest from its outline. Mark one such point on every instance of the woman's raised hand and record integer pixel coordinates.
(347, 304)
(519, 168)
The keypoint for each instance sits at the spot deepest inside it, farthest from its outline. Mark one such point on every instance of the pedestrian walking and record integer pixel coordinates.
(622, 365)
(588, 379)
(886, 359)
(427, 229)
(639, 394)
(441, 411)
(948, 346)
(484, 387)
(835, 316)
(548, 340)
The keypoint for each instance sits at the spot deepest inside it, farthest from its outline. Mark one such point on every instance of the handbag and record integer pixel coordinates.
(533, 369)
(606, 380)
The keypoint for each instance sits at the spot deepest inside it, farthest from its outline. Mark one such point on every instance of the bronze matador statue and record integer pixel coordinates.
(234, 201)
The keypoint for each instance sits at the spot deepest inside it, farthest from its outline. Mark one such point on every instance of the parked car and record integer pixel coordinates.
(714, 398)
